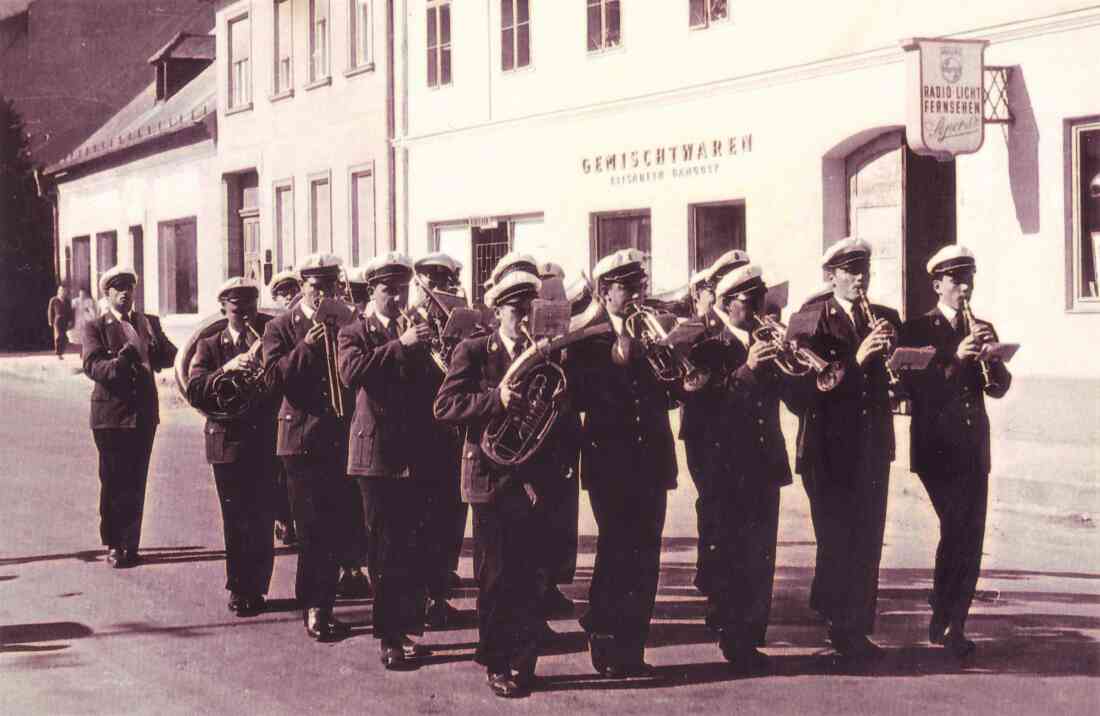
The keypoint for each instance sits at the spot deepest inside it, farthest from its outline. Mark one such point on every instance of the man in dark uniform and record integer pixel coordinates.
(121, 350)
(949, 439)
(628, 463)
(384, 360)
(507, 518)
(59, 315)
(240, 448)
(744, 465)
(312, 441)
(441, 446)
(845, 447)
(284, 288)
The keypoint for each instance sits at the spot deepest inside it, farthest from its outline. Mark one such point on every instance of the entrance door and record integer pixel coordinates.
(106, 252)
(82, 265)
(253, 261)
(903, 205)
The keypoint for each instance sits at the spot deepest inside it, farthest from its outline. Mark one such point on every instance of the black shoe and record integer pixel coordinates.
(744, 659)
(246, 606)
(454, 581)
(556, 604)
(440, 614)
(413, 650)
(854, 645)
(937, 628)
(131, 556)
(524, 663)
(504, 686)
(322, 626)
(393, 657)
(353, 583)
(601, 648)
(958, 645)
(116, 558)
(636, 668)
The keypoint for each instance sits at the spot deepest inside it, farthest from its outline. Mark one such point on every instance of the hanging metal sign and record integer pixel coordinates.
(945, 105)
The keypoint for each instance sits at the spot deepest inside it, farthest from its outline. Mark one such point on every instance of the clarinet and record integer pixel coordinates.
(983, 365)
(865, 307)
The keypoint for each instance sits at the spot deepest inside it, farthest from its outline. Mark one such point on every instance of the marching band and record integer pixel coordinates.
(364, 416)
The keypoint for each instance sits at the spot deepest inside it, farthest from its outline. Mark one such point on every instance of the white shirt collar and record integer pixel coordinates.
(848, 307)
(616, 323)
(235, 335)
(306, 309)
(947, 311)
(117, 315)
(383, 319)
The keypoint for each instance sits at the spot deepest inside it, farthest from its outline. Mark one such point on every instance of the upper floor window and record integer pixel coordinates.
(1085, 161)
(604, 24)
(284, 42)
(360, 27)
(704, 12)
(439, 43)
(318, 40)
(515, 34)
(240, 72)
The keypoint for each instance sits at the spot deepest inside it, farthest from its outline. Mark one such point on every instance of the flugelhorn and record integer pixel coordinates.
(435, 309)
(796, 360)
(988, 381)
(863, 305)
(643, 324)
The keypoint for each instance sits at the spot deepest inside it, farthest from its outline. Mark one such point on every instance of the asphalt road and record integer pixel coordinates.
(78, 637)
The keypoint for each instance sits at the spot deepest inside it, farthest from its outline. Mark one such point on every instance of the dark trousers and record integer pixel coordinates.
(355, 549)
(123, 471)
(60, 339)
(281, 503)
(246, 495)
(960, 502)
(446, 518)
(506, 531)
(628, 562)
(321, 500)
(394, 513)
(560, 500)
(849, 517)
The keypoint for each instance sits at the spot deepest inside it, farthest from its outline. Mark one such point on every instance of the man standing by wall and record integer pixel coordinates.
(59, 314)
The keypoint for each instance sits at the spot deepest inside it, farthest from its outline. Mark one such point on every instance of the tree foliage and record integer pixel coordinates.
(26, 244)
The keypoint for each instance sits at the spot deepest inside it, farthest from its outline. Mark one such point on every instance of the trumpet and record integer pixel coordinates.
(864, 306)
(793, 359)
(643, 324)
(988, 381)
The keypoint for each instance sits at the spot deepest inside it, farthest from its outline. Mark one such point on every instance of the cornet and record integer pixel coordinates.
(795, 360)
(643, 324)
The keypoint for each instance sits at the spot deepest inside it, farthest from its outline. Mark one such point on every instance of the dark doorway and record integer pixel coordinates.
(929, 224)
(242, 200)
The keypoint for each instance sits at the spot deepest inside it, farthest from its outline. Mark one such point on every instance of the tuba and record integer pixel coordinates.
(236, 392)
(644, 324)
(795, 360)
(511, 439)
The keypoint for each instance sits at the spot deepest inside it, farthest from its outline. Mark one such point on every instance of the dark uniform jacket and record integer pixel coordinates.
(853, 423)
(470, 396)
(626, 437)
(59, 313)
(229, 441)
(394, 390)
(950, 428)
(307, 422)
(701, 405)
(125, 391)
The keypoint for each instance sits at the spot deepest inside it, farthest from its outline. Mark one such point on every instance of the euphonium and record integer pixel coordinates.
(643, 324)
(863, 305)
(513, 438)
(795, 360)
(983, 365)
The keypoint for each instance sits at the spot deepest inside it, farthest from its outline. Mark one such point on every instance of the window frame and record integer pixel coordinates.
(277, 91)
(314, 240)
(436, 7)
(693, 228)
(604, 48)
(709, 21)
(593, 234)
(355, 172)
(230, 107)
(354, 66)
(277, 186)
(1076, 301)
(317, 79)
(515, 39)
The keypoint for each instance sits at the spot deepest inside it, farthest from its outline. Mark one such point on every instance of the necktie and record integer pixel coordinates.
(860, 322)
(961, 329)
(519, 347)
(242, 344)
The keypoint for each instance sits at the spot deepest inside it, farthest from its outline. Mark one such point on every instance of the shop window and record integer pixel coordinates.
(284, 224)
(454, 240)
(178, 266)
(439, 43)
(715, 229)
(320, 213)
(615, 230)
(604, 24)
(240, 69)
(515, 34)
(360, 27)
(284, 47)
(703, 13)
(318, 40)
(362, 215)
(1085, 169)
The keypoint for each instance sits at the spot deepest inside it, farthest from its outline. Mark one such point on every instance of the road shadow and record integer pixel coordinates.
(24, 638)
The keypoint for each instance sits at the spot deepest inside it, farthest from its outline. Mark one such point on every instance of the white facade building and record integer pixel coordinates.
(702, 125)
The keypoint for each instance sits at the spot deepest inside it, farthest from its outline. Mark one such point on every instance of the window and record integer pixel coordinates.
(361, 33)
(515, 34)
(362, 216)
(1085, 168)
(439, 43)
(455, 240)
(82, 265)
(715, 229)
(320, 214)
(284, 44)
(318, 40)
(604, 24)
(284, 225)
(704, 12)
(615, 230)
(106, 251)
(178, 266)
(240, 72)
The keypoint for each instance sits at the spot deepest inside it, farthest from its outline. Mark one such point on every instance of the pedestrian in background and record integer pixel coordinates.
(59, 315)
(83, 312)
